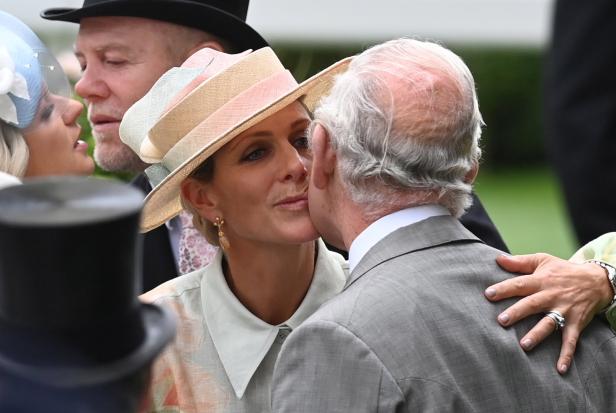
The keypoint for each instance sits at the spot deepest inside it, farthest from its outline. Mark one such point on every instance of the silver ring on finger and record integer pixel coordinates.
(558, 319)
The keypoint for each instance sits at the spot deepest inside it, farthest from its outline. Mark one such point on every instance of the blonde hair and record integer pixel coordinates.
(203, 173)
(14, 153)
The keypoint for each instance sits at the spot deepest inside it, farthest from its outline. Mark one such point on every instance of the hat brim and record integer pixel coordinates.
(159, 327)
(186, 13)
(163, 202)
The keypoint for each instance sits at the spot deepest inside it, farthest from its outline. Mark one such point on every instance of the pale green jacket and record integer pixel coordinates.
(602, 249)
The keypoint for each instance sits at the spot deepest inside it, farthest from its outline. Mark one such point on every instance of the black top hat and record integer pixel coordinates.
(223, 18)
(69, 313)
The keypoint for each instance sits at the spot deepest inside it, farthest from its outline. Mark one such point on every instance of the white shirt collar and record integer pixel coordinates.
(242, 340)
(384, 226)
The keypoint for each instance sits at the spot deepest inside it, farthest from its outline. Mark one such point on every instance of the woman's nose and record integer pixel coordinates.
(72, 112)
(296, 167)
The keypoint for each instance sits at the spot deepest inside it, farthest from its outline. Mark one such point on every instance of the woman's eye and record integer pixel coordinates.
(254, 155)
(47, 112)
(301, 142)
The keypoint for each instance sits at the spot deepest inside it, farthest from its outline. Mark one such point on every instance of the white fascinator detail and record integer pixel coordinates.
(13, 83)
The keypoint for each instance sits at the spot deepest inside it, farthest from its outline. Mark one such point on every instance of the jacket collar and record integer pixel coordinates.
(431, 232)
(384, 226)
(241, 339)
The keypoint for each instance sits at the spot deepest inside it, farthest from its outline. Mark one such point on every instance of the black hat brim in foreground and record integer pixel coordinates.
(186, 13)
(159, 327)
(69, 312)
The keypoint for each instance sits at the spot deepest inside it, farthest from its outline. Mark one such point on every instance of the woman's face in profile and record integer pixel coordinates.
(53, 140)
(261, 179)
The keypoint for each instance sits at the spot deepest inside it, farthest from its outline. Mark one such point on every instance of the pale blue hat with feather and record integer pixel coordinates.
(27, 71)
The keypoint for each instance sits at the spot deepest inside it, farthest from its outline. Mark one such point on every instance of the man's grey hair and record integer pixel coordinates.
(404, 121)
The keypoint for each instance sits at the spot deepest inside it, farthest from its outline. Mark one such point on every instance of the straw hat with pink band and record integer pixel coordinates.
(194, 110)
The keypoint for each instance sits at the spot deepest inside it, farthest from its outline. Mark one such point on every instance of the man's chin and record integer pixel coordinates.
(117, 158)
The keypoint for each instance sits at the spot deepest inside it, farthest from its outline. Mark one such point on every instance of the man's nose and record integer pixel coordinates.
(92, 85)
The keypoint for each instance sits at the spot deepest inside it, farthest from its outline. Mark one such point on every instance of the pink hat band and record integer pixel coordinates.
(239, 109)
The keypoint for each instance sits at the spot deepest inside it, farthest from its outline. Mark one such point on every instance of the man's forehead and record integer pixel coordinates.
(117, 33)
(123, 29)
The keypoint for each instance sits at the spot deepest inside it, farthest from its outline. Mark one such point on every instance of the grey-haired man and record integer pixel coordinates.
(395, 152)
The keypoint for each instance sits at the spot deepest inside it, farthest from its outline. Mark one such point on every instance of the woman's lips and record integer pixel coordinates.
(295, 203)
(81, 146)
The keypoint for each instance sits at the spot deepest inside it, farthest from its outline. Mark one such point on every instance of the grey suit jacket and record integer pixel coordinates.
(412, 331)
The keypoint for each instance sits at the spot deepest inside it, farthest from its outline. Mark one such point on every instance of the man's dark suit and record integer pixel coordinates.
(581, 112)
(158, 261)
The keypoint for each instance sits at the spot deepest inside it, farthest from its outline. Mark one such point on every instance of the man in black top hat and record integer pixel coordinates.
(73, 336)
(124, 46)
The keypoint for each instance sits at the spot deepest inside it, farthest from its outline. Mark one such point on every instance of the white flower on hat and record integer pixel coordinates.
(13, 83)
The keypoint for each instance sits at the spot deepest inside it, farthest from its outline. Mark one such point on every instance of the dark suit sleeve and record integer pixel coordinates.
(477, 221)
(581, 112)
(157, 259)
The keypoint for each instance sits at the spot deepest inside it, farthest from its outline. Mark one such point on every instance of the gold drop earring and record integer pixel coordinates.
(222, 239)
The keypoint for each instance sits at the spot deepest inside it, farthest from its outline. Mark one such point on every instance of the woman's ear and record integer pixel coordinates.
(201, 197)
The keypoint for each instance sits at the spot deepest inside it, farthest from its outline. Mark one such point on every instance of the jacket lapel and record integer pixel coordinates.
(425, 234)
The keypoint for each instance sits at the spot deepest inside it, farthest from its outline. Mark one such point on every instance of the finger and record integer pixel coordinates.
(538, 333)
(513, 287)
(522, 264)
(523, 308)
(571, 334)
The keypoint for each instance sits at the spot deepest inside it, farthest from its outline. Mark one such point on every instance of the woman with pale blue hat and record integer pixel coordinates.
(39, 134)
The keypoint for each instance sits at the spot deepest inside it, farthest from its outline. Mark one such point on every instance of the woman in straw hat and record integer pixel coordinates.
(227, 137)
(39, 134)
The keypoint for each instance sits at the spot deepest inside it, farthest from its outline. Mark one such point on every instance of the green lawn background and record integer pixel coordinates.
(527, 207)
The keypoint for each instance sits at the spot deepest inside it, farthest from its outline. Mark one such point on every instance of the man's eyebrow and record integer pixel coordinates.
(106, 48)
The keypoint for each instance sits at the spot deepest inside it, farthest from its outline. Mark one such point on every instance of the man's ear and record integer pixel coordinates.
(323, 157)
(470, 176)
(202, 199)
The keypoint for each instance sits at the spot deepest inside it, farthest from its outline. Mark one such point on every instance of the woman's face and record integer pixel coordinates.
(261, 178)
(53, 141)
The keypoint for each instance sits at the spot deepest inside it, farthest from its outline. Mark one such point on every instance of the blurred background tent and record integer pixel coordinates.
(502, 41)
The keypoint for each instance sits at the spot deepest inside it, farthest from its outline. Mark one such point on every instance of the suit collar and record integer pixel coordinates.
(384, 226)
(429, 233)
